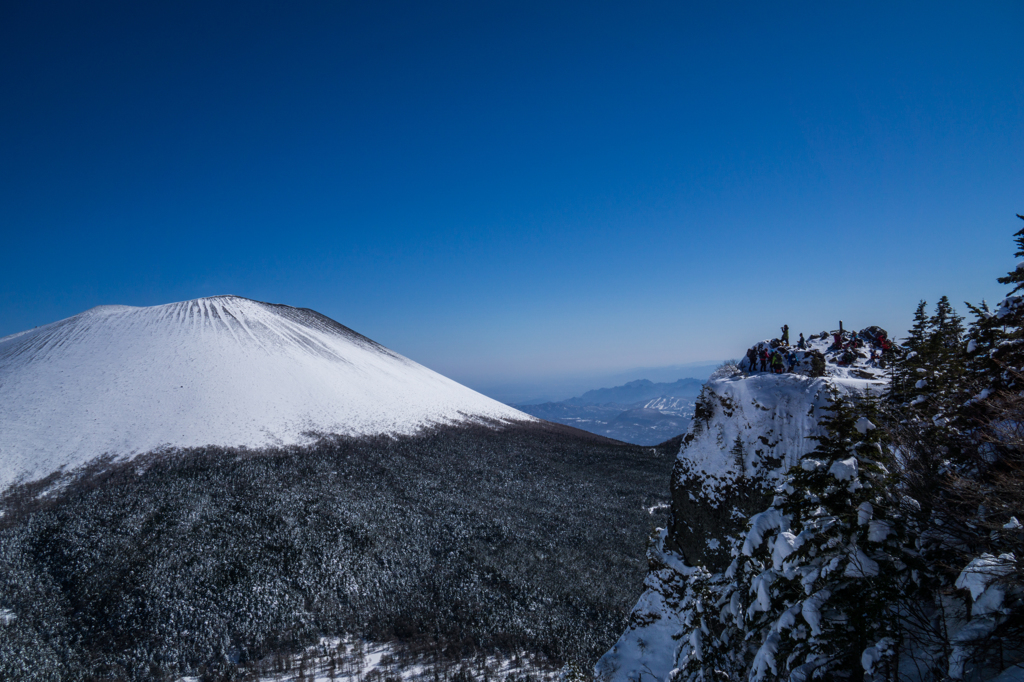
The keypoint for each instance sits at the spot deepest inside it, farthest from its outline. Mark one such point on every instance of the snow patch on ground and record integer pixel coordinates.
(352, 660)
(984, 570)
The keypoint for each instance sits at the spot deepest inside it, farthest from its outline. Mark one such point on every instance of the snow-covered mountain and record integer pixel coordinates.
(225, 371)
(749, 427)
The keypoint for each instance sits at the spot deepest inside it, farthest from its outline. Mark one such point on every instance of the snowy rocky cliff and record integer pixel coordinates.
(224, 371)
(748, 429)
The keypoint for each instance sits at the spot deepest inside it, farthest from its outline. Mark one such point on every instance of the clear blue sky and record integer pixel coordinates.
(513, 191)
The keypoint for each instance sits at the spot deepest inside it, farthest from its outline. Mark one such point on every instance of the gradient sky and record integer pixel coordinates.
(512, 192)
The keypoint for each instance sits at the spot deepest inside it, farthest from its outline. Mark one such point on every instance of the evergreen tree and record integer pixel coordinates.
(907, 371)
(737, 455)
(984, 336)
(946, 328)
(713, 642)
(1016, 276)
(917, 337)
(945, 358)
(703, 410)
(930, 383)
(961, 445)
(833, 547)
(1010, 313)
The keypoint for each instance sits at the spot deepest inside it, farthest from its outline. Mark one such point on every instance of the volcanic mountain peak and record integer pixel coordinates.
(223, 370)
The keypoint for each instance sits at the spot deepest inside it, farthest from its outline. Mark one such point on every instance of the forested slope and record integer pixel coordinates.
(463, 539)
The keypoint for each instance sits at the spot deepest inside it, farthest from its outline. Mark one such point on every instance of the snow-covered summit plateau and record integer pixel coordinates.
(225, 371)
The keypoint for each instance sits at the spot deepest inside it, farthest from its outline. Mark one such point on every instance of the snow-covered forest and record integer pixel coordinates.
(219, 563)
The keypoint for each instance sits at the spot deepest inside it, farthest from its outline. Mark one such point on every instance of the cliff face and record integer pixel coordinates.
(749, 428)
(755, 428)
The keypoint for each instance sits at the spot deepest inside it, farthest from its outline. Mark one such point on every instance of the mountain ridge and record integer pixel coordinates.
(641, 412)
(638, 390)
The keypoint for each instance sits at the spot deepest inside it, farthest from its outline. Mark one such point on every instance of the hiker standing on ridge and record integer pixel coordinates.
(765, 355)
(785, 334)
(752, 359)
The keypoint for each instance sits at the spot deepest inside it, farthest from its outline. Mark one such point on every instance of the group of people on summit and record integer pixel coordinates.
(779, 356)
(772, 361)
(775, 360)
(847, 349)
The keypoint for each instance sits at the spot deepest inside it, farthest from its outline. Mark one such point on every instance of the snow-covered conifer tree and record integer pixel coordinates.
(984, 335)
(835, 565)
(1010, 313)
(908, 371)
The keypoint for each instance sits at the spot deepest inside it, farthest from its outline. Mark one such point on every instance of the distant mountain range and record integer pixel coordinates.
(641, 412)
(637, 391)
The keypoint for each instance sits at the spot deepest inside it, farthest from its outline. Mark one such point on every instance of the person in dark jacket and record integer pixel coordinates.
(791, 360)
(752, 359)
(801, 344)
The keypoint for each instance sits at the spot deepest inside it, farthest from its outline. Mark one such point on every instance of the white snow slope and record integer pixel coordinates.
(226, 371)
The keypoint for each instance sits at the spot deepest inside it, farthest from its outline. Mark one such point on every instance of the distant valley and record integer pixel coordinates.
(641, 412)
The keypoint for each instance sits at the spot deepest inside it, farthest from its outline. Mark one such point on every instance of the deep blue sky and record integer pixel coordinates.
(511, 192)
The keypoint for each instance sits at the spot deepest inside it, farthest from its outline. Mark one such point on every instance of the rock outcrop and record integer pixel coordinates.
(749, 427)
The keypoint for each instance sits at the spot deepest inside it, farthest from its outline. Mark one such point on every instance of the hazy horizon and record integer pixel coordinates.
(556, 388)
